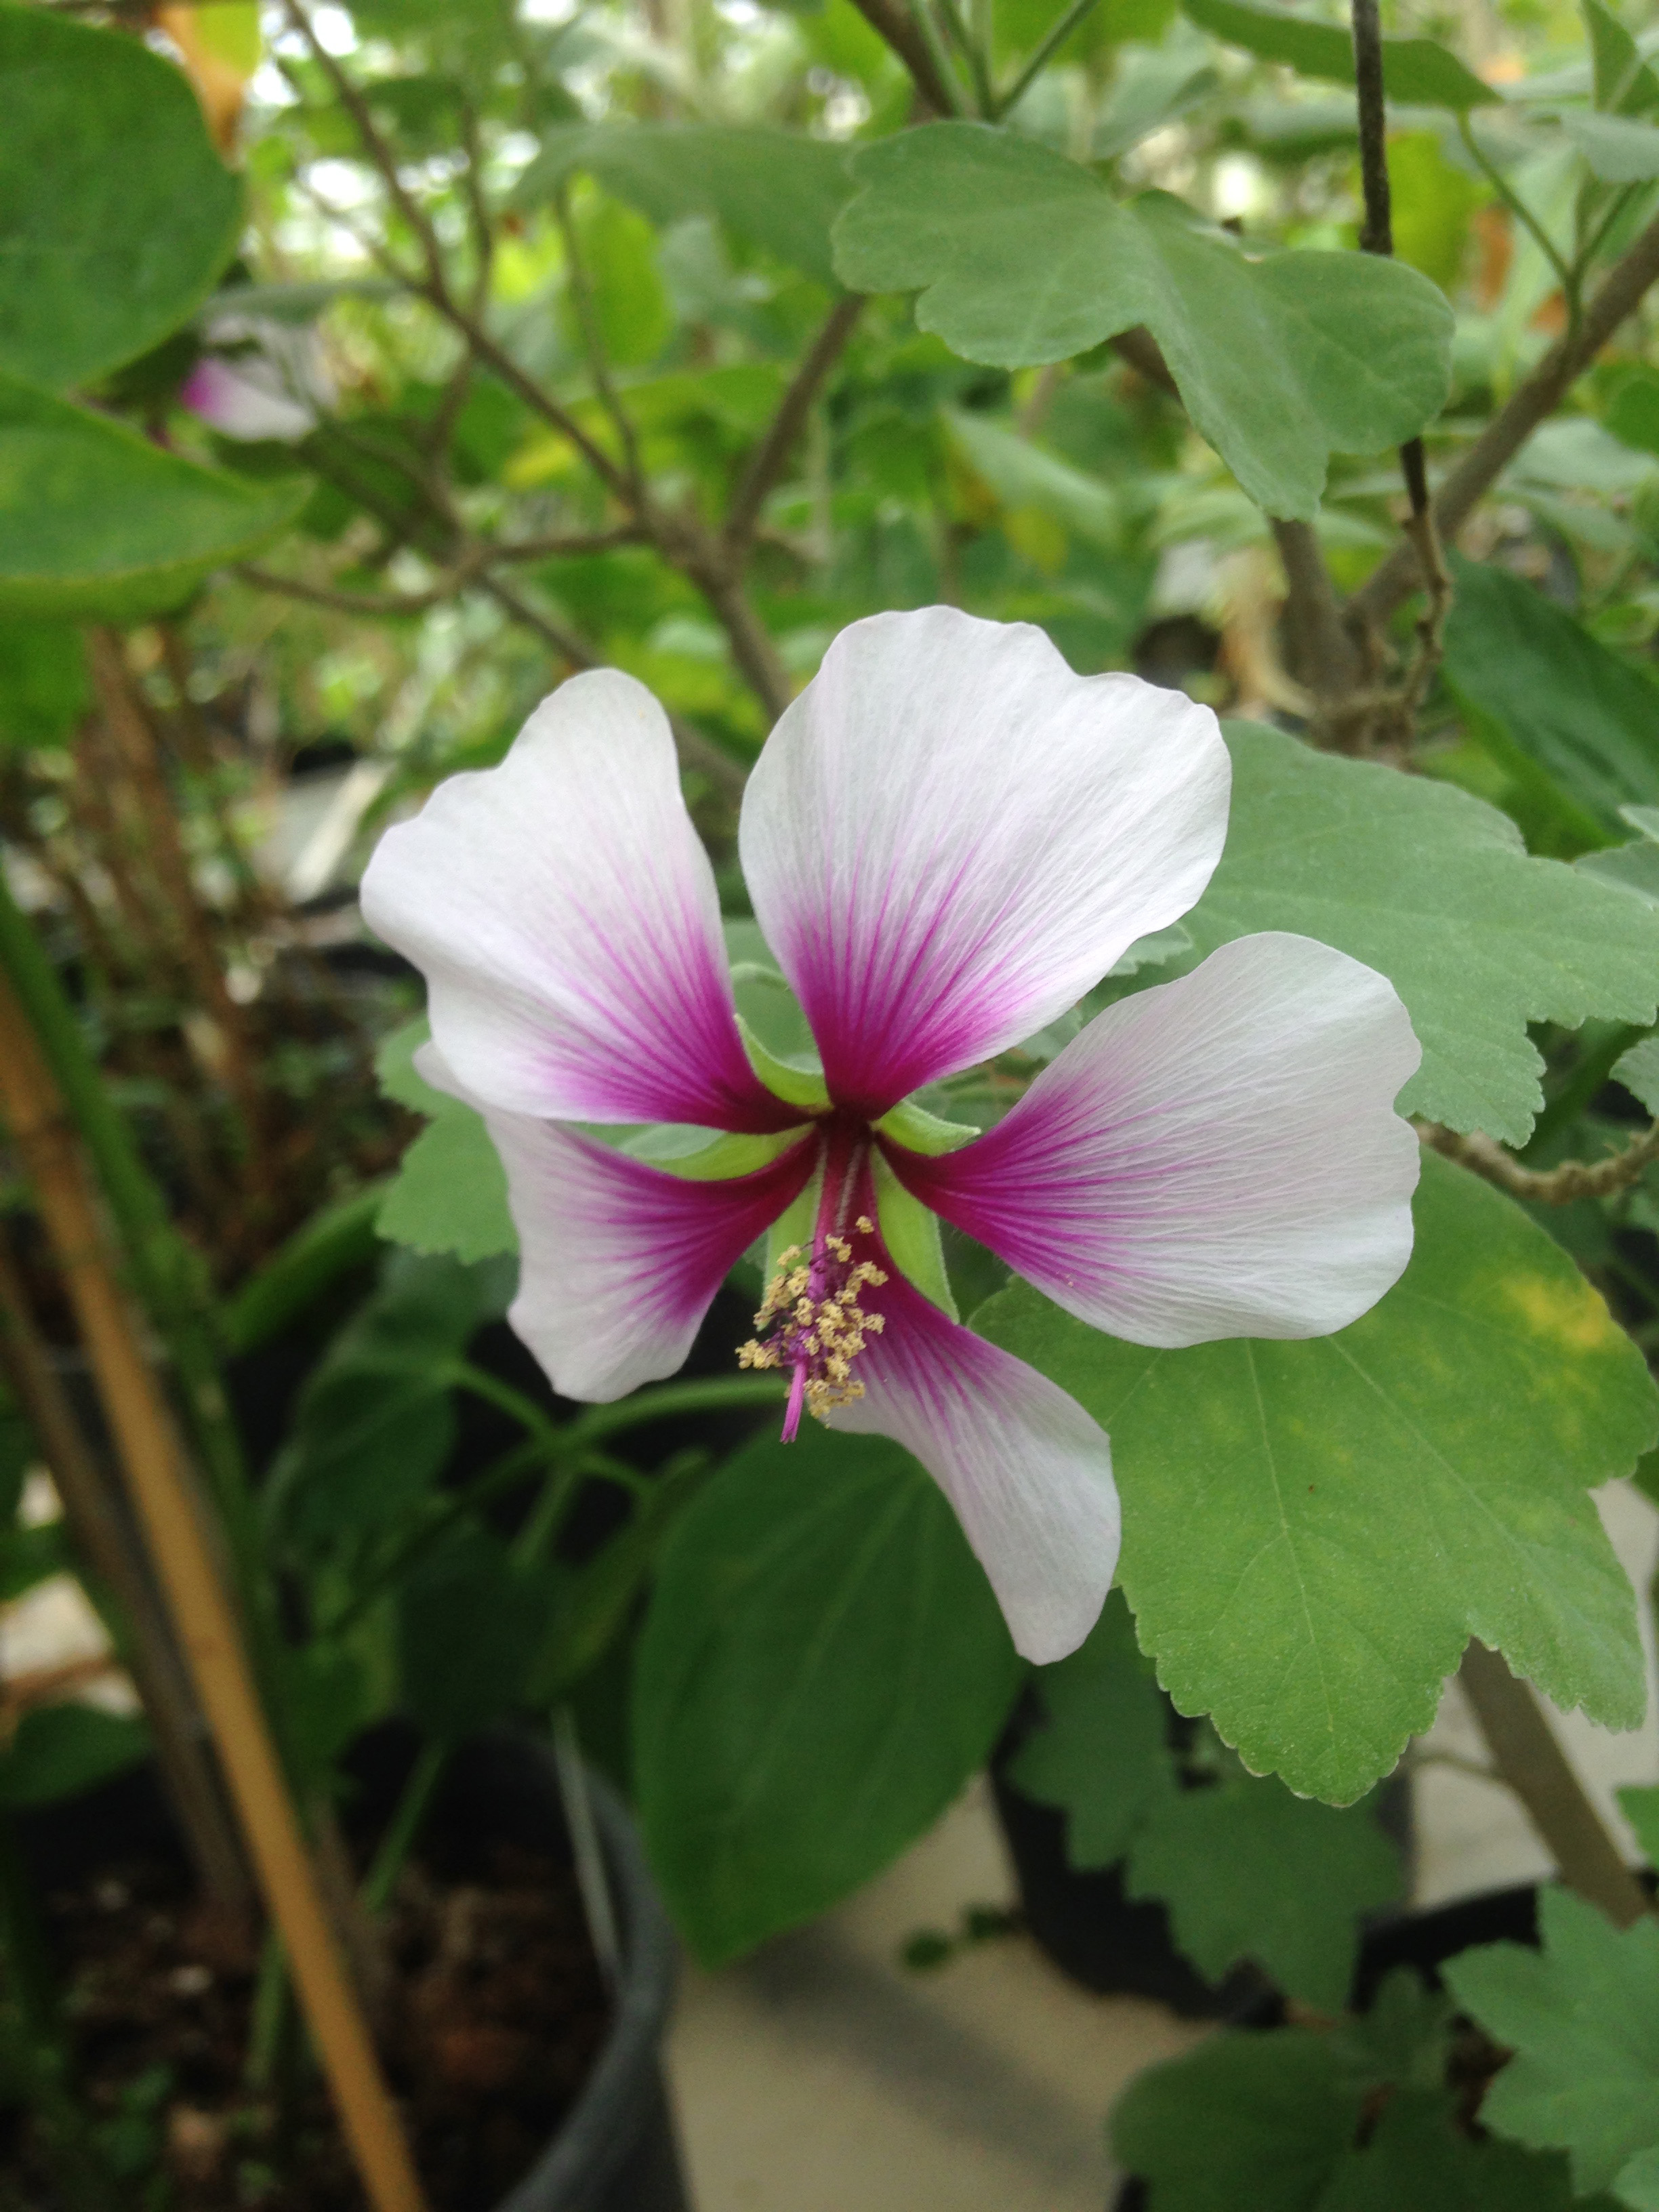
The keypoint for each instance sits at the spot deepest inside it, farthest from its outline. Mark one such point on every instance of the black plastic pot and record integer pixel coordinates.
(615, 2150)
(1423, 1940)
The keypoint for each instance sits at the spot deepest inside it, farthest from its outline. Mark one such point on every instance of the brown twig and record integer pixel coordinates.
(1527, 1757)
(1376, 237)
(769, 458)
(1557, 1186)
(162, 1489)
(134, 743)
(890, 20)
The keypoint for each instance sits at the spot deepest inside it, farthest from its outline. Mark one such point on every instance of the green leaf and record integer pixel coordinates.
(1248, 1871)
(61, 1750)
(1435, 890)
(1101, 1755)
(449, 1193)
(1021, 475)
(1418, 2155)
(97, 524)
(1256, 2120)
(29, 1555)
(1638, 1071)
(1640, 1806)
(1586, 717)
(778, 189)
(470, 1621)
(116, 215)
(1619, 149)
(822, 1668)
(630, 305)
(1581, 2015)
(1414, 70)
(1632, 412)
(43, 687)
(1313, 1530)
(1624, 85)
(1022, 256)
(374, 1423)
(1292, 2122)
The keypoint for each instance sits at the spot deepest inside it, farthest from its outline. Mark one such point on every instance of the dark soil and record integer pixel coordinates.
(491, 2016)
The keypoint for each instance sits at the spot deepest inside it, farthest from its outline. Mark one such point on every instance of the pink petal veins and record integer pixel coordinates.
(565, 917)
(1027, 1472)
(948, 837)
(1216, 1156)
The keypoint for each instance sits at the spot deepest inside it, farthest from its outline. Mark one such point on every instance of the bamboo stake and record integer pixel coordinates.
(154, 1464)
(102, 1533)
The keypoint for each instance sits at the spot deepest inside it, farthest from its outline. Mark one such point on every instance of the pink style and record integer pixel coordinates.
(949, 838)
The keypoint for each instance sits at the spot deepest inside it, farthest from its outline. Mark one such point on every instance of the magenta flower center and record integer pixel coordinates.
(811, 1323)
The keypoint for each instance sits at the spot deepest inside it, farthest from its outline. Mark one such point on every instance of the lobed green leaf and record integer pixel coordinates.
(1021, 256)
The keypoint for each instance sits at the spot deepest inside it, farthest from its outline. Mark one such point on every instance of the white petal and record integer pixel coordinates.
(619, 1262)
(1216, 1156)
(1027, 1472)
(565, 916)
(948, 837)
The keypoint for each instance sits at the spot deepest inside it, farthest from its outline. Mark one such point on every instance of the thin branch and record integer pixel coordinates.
(380, 153)
(1557, 1186)
(1056, 38)
(106, 1542)
(1528, 1756)
(767, 461)
(893, 25)
(1377, 237)
(1324, 655)
(377, 606)
(1536, 397)
(1377, 234)
(967, 46)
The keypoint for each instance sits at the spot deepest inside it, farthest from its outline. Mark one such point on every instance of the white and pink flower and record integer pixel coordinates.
(948, 840)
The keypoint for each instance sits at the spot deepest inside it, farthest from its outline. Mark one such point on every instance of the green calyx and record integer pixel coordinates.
(918, 1131)
(798, 1084)
(706, 1155)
